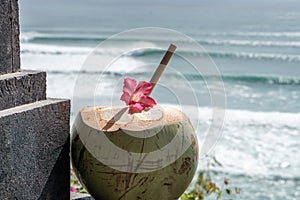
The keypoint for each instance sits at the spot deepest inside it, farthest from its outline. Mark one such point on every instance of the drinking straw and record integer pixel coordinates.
(162, 66)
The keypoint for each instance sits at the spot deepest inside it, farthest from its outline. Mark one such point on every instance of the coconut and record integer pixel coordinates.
(121, 155)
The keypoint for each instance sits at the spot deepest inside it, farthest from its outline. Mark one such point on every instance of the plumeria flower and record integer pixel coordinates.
(137, 95)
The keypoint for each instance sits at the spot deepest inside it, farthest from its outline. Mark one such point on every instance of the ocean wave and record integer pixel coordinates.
(252, 34)
(245, 118)
(44, 37)
(256, 56)
(114, 73)
(255, 138)
(235, 55)
(80, 53)
(152, 52)
(58, 37)
(280, 80)
(45, 49)
(35, 35)
(27, 37)
(265, 79)
(270, 34)
(255, 43)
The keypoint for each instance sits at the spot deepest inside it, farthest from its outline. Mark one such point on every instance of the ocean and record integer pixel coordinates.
(254, 44)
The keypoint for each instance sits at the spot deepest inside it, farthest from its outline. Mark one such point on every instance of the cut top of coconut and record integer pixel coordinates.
(107, 118)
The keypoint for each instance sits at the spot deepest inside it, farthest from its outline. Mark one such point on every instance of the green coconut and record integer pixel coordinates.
(119, 155)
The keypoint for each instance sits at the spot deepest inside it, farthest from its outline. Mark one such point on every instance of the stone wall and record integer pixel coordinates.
(34, 130)
(9, 36)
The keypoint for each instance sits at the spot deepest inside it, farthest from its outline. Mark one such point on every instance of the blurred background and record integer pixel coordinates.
(255, 44)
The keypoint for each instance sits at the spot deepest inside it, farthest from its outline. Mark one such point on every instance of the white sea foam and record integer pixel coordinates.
(257, 56)
(31, 48)
(244, 117)
(253, 34)
(27, 36)
(255, 43)
(70, 59)
(253, 143)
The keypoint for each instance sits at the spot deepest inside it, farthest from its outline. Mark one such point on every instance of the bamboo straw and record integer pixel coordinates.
(161, 67)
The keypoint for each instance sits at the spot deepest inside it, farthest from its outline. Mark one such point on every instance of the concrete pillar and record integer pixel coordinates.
(34, 130)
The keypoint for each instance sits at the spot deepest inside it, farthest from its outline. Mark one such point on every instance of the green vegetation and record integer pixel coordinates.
(205, 188)
(75, 184)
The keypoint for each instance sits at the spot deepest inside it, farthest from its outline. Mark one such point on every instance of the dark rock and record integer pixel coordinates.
(34, 159)
(9, 36)
(34, 132)
(58, 188)
(21, 88)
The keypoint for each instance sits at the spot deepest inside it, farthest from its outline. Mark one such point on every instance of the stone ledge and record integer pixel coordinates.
(34, 161)
(22, 88)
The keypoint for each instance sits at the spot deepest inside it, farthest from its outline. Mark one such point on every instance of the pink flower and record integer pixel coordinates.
(136, 96)
(72, 189)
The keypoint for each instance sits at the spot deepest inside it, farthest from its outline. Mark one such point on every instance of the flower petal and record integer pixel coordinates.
(147, 101)
(143, 88)
(129, 85)
(125, 97)
(136, 95)
(137, 107)
(128, 90)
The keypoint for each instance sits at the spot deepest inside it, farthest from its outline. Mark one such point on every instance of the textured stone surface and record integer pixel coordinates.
(34, 132)
(9, 36)
(34, 161)
(58, 186)
(21, 88)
